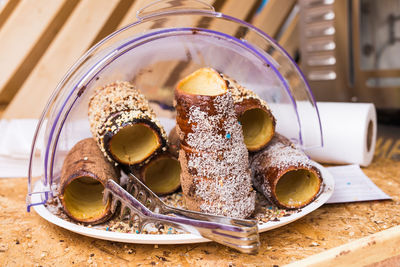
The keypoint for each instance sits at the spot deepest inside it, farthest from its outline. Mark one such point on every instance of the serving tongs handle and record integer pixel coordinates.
(239, 234)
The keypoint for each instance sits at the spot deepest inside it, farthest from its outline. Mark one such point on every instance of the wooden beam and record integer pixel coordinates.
(238, 9)
(235, 8)
(70, 43)
(368, 250)
(7, 9)
(130, 16)
(273, 16)
(113, 20)
(155, 88)
(290, 39)
(29, 30)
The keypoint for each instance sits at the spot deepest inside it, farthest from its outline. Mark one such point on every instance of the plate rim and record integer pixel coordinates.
(42, 211)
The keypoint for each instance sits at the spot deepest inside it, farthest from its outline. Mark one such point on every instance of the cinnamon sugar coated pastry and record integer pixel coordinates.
(84, 174)
(215, 175)
(125, 127)
(285, 175)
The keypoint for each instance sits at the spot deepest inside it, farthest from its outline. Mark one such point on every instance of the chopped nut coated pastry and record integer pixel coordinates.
(125, 127)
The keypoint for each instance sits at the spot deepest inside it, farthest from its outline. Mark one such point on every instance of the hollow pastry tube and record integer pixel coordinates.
(84, 174)
(215, 175)
(285, 175)
(253, 113)
(125, 127)
(161, 174)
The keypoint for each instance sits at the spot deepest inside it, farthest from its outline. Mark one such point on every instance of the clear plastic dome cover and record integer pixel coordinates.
(167, 43)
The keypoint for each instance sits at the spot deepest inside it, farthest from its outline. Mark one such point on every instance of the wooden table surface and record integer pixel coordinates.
(27, 238)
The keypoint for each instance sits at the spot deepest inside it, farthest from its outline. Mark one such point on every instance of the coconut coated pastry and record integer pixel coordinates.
(215, 175)
(124, 126)
(258, 123)
(285, 175)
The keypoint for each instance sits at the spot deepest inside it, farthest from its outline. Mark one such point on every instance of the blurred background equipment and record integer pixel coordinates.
(349, 51)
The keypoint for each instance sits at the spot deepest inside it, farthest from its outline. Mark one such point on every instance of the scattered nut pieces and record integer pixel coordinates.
(3, 247)
(264, 212)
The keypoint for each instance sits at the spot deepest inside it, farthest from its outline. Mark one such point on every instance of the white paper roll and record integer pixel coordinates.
(349, 133)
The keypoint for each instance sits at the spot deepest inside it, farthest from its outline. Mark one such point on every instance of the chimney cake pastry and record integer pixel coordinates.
(258, 123)
(125, 127)
(84, 174)
(285, 175)
(215, 175)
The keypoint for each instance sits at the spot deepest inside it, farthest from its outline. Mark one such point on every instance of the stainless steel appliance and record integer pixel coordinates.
(350, 50)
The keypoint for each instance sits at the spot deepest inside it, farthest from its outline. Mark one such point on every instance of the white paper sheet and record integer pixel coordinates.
(16, 138)
(17, 167)
(351, 185)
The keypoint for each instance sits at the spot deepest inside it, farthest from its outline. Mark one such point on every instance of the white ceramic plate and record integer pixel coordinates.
(327, 190)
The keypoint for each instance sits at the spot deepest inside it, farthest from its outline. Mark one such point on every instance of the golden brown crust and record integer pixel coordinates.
(184, 104)
(116, 106)
(246, 100)
(86, 160)
(107, 140)
(170, 179)
(279, 158)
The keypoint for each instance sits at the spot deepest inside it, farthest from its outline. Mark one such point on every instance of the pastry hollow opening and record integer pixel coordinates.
(162, 175)
(297, 188)
(134, 143)
(83, 198)
(204, 81)
(258, 128)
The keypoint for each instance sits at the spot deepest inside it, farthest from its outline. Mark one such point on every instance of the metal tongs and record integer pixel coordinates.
(139, 200)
